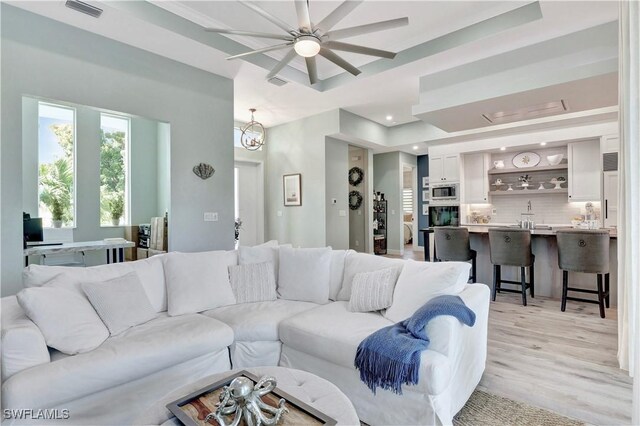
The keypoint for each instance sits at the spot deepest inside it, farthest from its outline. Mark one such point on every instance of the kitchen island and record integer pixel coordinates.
(548, 277)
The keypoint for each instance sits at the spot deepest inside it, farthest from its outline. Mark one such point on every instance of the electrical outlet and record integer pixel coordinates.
(494, 211)
(357, 243)
(210, 216)
(359, 212)
(393, 212)
(279, 213)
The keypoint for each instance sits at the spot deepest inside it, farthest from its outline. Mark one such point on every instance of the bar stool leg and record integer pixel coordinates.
(606, 289)
(473, 271)
(531, 280)
(495, 282)
(600, 296)
(565, 285)
(499, 278)
(523, 283)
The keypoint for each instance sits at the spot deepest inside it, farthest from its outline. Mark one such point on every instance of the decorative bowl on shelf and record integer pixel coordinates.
(554, 160)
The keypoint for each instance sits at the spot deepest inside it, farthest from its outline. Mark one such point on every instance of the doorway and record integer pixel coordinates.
(409, 208)
(249, 202)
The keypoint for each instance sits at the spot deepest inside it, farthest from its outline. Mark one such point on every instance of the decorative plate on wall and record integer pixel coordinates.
(526, 159)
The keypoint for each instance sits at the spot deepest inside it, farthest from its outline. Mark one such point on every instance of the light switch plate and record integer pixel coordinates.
(279, 213)
(210, 216)
(342, 212)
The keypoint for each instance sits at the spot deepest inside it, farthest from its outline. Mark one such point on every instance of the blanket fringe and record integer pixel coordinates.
(377, 370)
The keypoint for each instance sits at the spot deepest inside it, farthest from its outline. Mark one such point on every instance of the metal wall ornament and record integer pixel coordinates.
(204, 170)
(253, 135)
(356, 176)
(355, 200)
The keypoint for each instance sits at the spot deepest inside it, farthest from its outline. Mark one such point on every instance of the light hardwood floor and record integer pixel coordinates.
(560, 361)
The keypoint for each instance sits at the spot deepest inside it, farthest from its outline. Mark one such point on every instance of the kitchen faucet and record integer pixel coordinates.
(529, 206)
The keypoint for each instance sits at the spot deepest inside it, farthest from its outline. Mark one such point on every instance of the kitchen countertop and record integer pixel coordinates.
(484, 229)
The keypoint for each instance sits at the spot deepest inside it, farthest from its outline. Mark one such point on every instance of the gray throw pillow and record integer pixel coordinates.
(253, 282)
(121, 303)
(373, 291)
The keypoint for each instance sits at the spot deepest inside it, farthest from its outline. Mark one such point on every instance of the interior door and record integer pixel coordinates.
(610, 206)
(249, 202)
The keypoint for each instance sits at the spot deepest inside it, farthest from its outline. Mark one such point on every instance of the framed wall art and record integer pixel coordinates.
(292, 189)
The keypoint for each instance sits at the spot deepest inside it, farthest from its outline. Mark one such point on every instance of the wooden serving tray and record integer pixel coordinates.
(193, 408)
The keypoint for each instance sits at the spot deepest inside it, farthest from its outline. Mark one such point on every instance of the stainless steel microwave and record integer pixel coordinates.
(448, 192)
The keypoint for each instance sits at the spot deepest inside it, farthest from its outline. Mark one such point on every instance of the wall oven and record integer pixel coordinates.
(444, 215)
(445, 192)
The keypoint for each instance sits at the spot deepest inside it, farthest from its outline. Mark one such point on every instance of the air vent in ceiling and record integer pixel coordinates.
(277, 81)
(83, 7)
(535, 111)
(609, 161)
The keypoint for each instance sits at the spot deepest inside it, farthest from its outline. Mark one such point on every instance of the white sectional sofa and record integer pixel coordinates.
(128, 372)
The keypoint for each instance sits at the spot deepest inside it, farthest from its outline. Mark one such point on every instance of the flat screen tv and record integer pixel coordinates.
(32, 230)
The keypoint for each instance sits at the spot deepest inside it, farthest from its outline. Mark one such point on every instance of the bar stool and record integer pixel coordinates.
(512, 247)
(584, 251)
(452, 244)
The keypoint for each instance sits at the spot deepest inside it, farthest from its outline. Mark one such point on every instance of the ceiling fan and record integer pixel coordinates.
(308, 40)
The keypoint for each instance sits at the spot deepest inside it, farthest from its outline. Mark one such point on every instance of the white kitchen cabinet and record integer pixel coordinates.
(585, 171)
(444, 168)
(475, 182)
(610, 199)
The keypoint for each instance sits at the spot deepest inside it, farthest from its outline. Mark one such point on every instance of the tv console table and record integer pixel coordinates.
(114, 249)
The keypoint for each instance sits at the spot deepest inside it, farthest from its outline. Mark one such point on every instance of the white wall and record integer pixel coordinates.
(48, 59)
(298, 147)
(337, 187)
(358, 218)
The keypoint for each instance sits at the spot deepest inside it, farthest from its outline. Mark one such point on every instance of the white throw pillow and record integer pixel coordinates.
(121, 302)
(373, 291)
(305, 274)
(420, 282)
(254, 282)
(65, 317)
(362, 262)
(266, 252)
(198, 282)
(338, 258)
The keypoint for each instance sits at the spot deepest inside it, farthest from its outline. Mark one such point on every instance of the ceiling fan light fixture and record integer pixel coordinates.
(307, 46)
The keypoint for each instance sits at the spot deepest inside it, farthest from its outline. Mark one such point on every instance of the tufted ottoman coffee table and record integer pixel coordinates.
(308, 388)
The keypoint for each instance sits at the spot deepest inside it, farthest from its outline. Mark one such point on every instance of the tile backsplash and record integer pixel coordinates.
(548, 209)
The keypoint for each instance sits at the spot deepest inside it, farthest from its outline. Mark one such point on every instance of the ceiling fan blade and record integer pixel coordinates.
(266, 15)
(249, 33)
(288, 58)
(302, 10)
(339, 61)
(264, 49)
(338, 14)
(354, 48)
(368, 28)
(312, 69)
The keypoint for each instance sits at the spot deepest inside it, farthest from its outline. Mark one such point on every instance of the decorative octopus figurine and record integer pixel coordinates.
(244, 400)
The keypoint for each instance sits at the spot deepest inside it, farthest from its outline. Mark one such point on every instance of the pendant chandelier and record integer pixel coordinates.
(253, 134)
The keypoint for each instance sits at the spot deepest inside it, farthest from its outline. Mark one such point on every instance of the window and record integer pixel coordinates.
(237, 134)
(114, 165)
(407, 200)
(56, 165)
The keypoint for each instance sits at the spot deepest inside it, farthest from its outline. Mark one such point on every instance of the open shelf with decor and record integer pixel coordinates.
(380, 227)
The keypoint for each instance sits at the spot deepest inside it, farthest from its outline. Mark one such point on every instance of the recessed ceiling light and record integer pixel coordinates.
(543, 143)
(504, 148)
(389, 117)
(415, 147)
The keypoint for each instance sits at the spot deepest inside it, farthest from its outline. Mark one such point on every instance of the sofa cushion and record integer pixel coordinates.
(258, 321)
(150, 271)
(23, 345)
(138, 352)
(65, 317)
(197, 282)
(332, 333)
(421, 281)
(265, 252)
(338, 258)
(120, 302)
(305, 274)
(363, 262)
(254, 282)
(373, 291)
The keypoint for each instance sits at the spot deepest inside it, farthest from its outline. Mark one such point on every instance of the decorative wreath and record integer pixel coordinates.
(355, 200)
(356, 174)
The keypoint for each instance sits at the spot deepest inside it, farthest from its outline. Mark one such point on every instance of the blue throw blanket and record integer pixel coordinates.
(390, 357)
